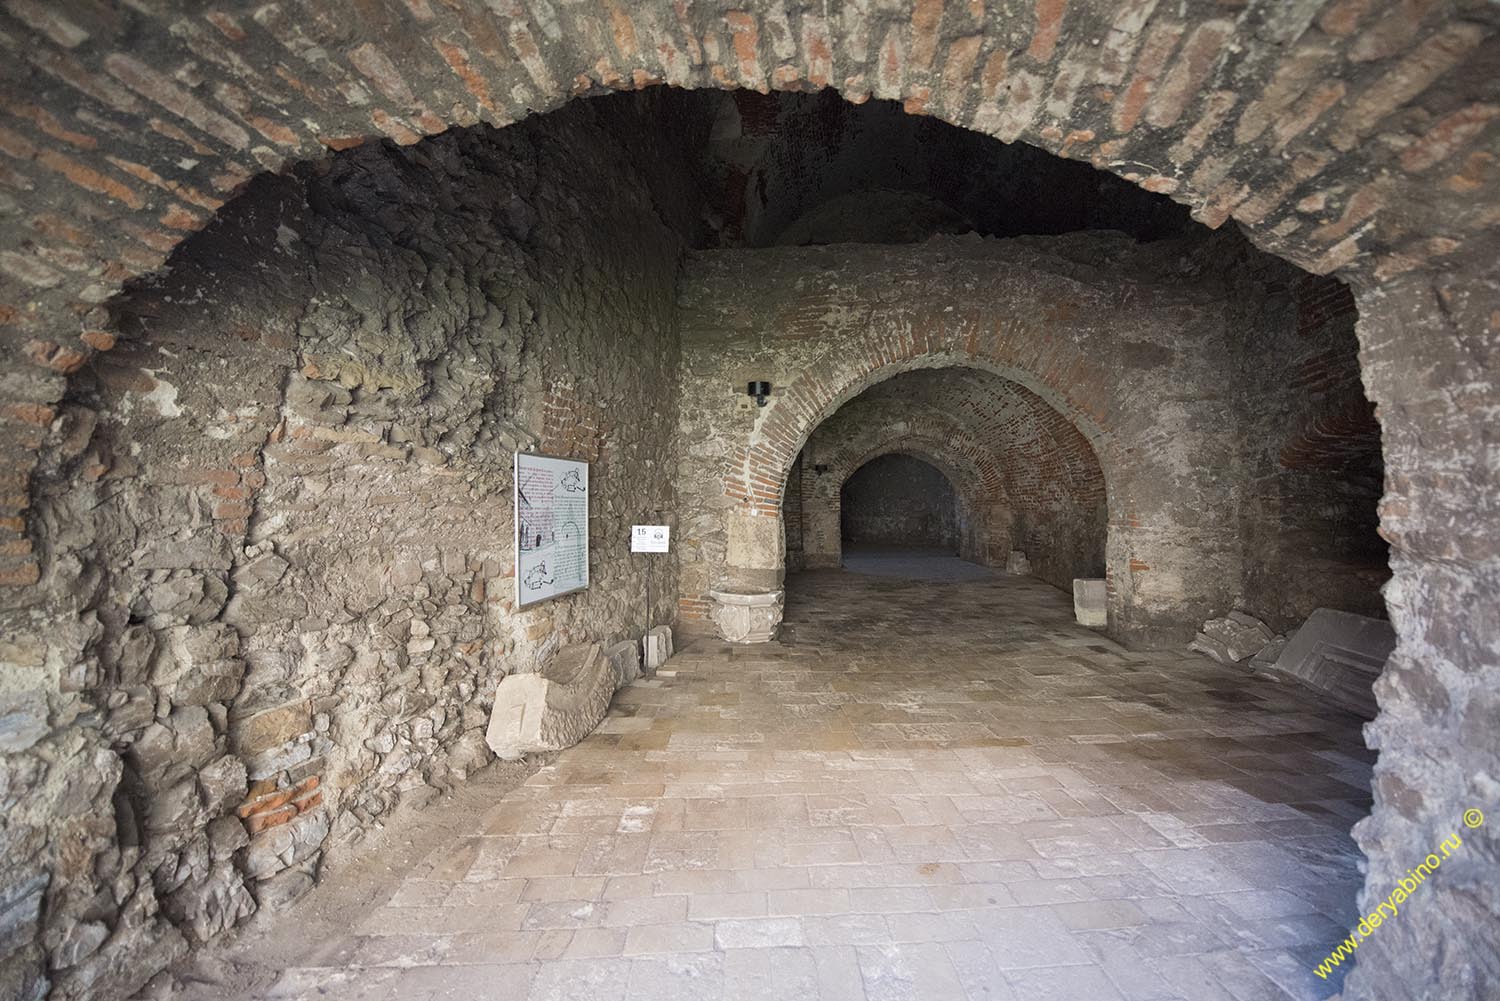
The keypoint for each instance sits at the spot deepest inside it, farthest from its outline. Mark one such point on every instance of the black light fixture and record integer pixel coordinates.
(759, 390)
(820, 468)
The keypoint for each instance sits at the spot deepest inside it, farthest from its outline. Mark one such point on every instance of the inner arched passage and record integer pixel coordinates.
(898, 501)
(1024, 477)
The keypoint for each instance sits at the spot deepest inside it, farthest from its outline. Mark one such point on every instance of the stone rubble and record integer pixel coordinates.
(625, 659)
(267, 350)
(1234, 638)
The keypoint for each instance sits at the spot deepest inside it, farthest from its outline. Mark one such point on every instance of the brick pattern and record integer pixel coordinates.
(867, 428)
(1039, 484)
(268, 806)
(1084, 403)
(761, 467)
(1357, 137)
(572, 426)
(126, 158)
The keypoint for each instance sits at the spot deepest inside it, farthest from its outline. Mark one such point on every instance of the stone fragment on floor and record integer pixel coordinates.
(658, 645)
(553, 708)
(1339, 653)
(1232, 639)
(625, 660)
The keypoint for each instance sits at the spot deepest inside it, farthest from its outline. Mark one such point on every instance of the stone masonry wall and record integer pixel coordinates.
(1436, 734)
(280, 588)
(1348, 135)
(898, 500)
(1314, 469)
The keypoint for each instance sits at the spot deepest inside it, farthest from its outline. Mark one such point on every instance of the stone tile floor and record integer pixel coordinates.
(930, 791)
(912, 564)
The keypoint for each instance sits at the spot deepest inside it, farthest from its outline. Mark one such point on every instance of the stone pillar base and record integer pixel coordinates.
(1090, 602)
(747, 617)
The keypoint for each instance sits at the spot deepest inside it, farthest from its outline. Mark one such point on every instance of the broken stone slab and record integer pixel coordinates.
(658, 645)
(625, 659)
(1017, 563)
(1232, 639)
(1339, 653)
(1089, 602)
(747, 617)
(1265, 660)
(553, 708)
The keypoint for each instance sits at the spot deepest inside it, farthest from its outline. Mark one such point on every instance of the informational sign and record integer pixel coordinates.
(552, 527)
(649, 538)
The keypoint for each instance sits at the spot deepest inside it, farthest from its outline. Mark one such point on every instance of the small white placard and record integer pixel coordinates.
(649, 538)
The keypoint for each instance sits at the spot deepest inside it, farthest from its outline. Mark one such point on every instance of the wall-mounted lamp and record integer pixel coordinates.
(759, 390)
(820, 468)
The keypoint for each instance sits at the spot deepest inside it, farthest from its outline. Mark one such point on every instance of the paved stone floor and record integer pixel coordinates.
(930, 791)
(912, 565)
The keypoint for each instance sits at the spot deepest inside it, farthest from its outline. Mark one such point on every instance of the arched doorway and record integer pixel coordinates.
(1398, 215)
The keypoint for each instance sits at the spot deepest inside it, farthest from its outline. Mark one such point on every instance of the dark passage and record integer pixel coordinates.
(897, 501)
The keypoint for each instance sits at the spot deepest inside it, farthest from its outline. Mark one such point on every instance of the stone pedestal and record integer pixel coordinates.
(1017, 563)
(1089, 602)
(555, 708)
(747, 617)
(658, 647)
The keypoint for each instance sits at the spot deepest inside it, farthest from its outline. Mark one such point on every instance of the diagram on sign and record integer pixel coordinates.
(552, 555)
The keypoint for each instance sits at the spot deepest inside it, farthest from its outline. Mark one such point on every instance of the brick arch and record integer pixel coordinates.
(969, 501)
(925, 450)
(939, 441)
(1350, 137)
(758, 474)
(1141, 92)
(931, 451)
(963, 461)
(1220, 114)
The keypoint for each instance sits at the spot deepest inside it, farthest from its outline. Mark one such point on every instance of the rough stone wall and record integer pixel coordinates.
(791, 519)
(1314, 469)
(898, 500)
(279, 522)
(1436, 734)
